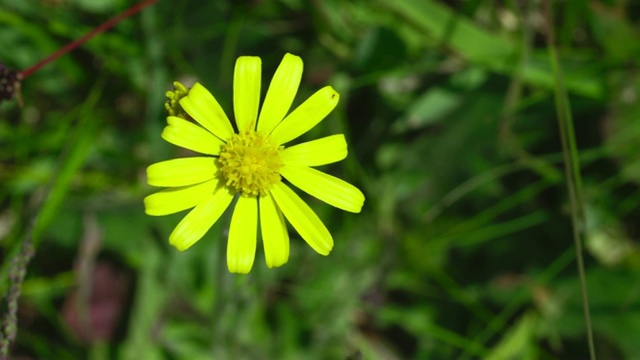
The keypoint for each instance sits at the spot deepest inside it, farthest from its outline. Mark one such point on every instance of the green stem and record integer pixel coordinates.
(572, 171)
(97, 30)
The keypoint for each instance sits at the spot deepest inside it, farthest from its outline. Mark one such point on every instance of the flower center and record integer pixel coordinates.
(250, 163)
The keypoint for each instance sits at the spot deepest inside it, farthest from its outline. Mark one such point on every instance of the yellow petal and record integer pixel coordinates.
(330, 189)
(282, 91)
(246, 91)
(181, 172)
(173, 200)
(318, 152)
(190, 136)
(306, 116)
(303, 219)
(275, 237)
(241, 248)
(199, 220)
(203, 107)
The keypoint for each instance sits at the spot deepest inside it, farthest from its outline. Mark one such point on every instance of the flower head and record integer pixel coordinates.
(249, 164)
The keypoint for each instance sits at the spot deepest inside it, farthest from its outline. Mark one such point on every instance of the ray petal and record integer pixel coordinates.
(199, 220)
(181, 172)
(335, 192)
(241, 248)
(281, 92)
(318, 152)
(306, 116)
(303, 219)
(246, 91)
(275, 237)
(203, 107)
(190, 136)
(173, 200)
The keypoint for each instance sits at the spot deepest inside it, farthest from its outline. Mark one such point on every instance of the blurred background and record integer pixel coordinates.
(464, 247)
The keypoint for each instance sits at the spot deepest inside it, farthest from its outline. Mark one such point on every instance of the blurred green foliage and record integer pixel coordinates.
(464, 247)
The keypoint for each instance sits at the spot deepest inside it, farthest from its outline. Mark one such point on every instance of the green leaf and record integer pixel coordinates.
(519, 342)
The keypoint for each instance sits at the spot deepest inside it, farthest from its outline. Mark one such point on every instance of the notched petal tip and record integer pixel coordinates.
(357, 202)
(248, 59)
(291, 64)
(272, 264)
(149, 207)
(289, 56)
(181, 244)
(154, 207)
(325, 251)
(239, 267)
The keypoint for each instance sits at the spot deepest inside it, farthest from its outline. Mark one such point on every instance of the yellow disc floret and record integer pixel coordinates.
(250, 163)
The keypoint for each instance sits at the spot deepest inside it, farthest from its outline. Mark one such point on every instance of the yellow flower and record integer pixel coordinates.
(250, 163)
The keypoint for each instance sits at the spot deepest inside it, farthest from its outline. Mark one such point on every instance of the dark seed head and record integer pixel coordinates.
(9, 82)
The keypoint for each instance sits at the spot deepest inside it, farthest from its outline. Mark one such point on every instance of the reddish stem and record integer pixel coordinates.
(74, 44)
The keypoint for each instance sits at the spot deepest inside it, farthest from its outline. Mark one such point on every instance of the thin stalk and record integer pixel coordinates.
(572, 171)
(20, 261)
(99, 29)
